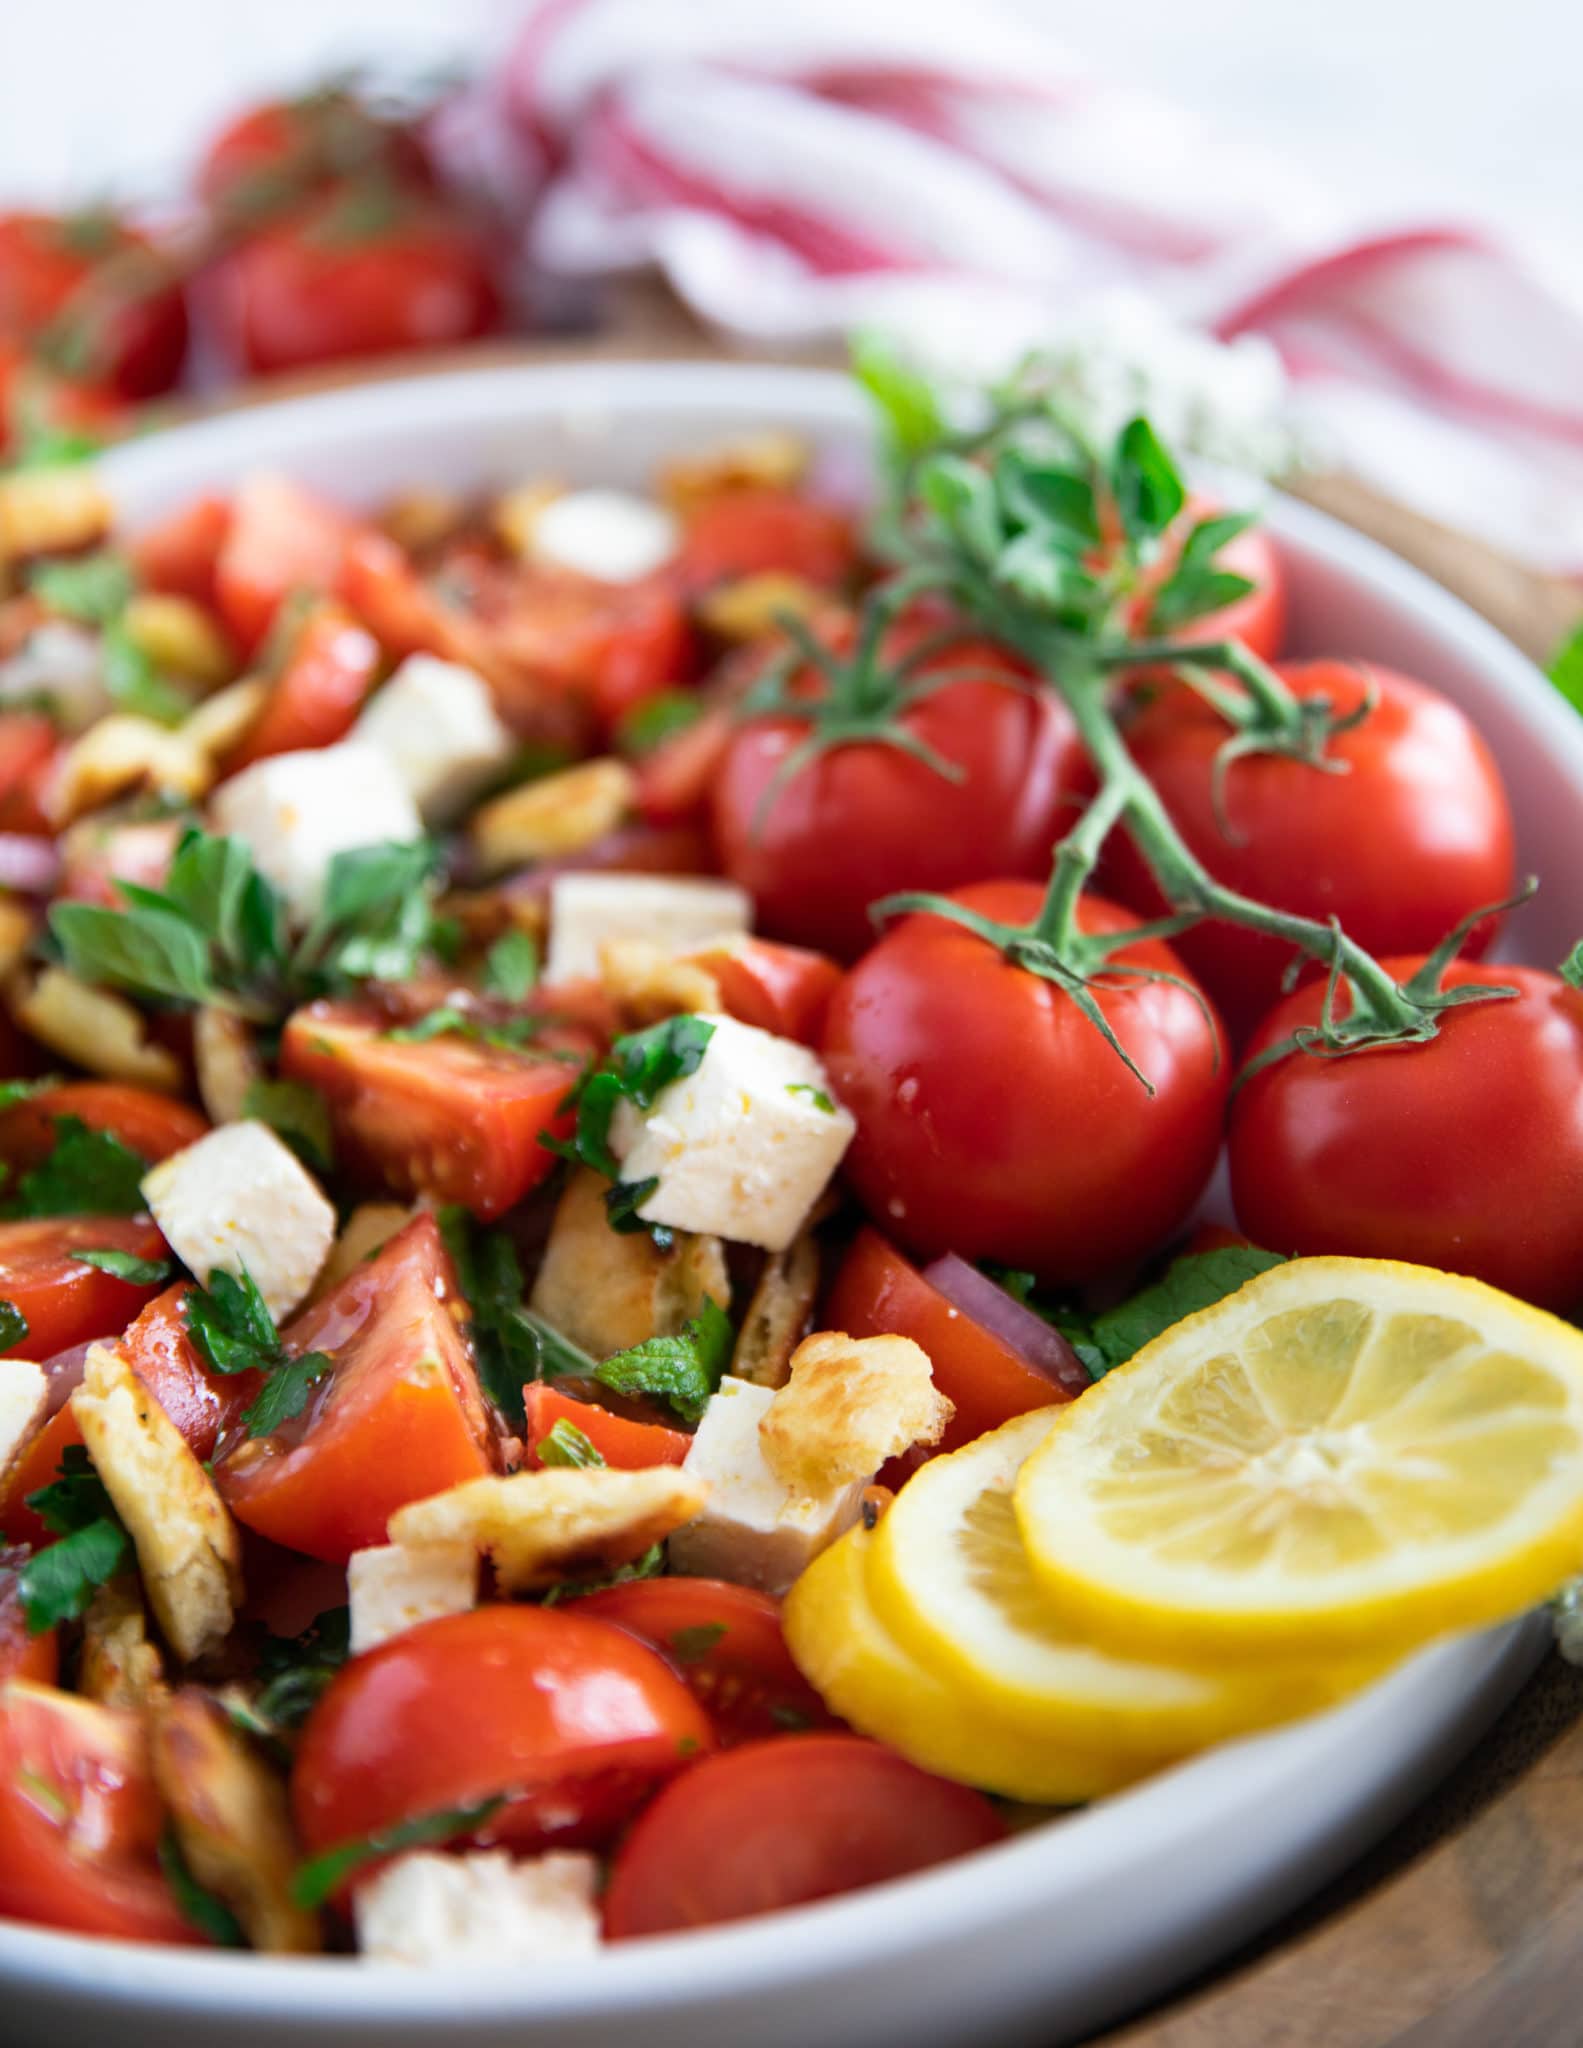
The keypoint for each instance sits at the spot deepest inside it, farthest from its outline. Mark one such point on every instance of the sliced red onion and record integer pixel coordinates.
(1017, 1326)
(30, 866)
(64, 1371)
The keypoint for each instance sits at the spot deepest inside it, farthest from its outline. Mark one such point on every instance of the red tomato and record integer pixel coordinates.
(29, 745)
(629, 1446)
(675, 780)
(781, 1824)
(37, 1468)
(1257, 620)
(294, 145)
(358, 273)
(35, 400)
(379, 582)
(1413, 834)
(993, 1118)
(91, 291)
(80, 1819)
(865, 820)
(21, 1655)
(315, 699)
(614, 644)
(449, 1118)
(400, 1417)
(66, 1302)
(784, 989)
(181, 552)
(205, 1406)
(280, 539)
(878, 1294)
(149, 1124)
(573, 1720)
(755, 530)
(725, 1641)
(99, 855)
(1465, 1152)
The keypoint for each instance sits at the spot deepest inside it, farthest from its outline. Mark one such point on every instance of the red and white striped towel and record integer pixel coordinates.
(798, 169)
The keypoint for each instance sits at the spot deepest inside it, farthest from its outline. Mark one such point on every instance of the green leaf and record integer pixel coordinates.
(511, 968)
(135, 684)
(511, 1344)
(639, 1066)
(285, 1393)
(200, 1908)
(1565, 668)
(684, 1370)
(93, 588)
(13, 1326)
(57, 1583)
(298, 1114)
(322, 1877)
(907, 403)
(1148, 489)
(1048, 495)
(75, 1498)
(377, 917)
(1196, 586)
(152, 953)
(657, 719)
(623, 1200)
(649, 1566)
(234, 1332)
(13, 1092)
(1194, 1281)
(816, 1096)
(963, 498)
(445, 1022)
(693, 1645)
(1571, 968)
(127, 1266)
(85, 1173)
(294, 1670)
(566, 1444)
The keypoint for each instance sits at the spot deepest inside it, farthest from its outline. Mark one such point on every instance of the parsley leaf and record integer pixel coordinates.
(816, 1096)
(285, 1392)
(297, 1113)
(85, 1173)
(512, 966)
(1195, 1280)
(511, 1344)
(684, 1370)
(127, 1266)
(294, 1670)
(93, 588)
(13, 1326)
(56, 1584)
(566, 1444)
(233, 1331)
(197, 1905)
(1565, 668)
(321, 1877)
(639, 1066)
(649, 1566)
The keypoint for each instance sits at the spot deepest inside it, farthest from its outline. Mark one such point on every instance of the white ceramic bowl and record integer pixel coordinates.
(1071, 1924)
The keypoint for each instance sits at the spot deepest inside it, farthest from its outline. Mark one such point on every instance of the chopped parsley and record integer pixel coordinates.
(511, 1344)
(322, 1877)
(1195, 1280)
(297, 1114)
(639, 1067)
(127, 1266)
(294, 1670)
(234, 1332)
(85, 1173)
(13, 1326)
(511, 968)
(197, 1905)
(816, 1096)
(57, 1583)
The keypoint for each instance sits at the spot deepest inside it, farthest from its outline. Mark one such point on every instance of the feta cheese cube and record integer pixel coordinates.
(611, 535)
(298, 811)
(675, 912)
(23, 1392)
(743, 1146)
(435, 722)
(395, 1586)
(62, 665)
(240, 1197)
(479, 1909)
(753, 1529)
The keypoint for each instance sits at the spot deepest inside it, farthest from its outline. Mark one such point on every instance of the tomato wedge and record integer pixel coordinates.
(80, 1819)
(726, 1642)
(21, 1655)
(151, 1125)
(37, 1467)
(400, 1415)
(755, 530)
(629, 1446)
(878, 1293)
(784, 989)
(64, 1301)
(675, 780)
(782, 1823)
(448, 1117)
(320, 689)
(181, 553)
(571, 1719)
(29, 743)
(205, 1406)
(280, 538)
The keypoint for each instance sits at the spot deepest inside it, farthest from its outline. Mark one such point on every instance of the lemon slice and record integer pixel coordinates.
(1347, 1455)
(864, 1675)
(949, 1577)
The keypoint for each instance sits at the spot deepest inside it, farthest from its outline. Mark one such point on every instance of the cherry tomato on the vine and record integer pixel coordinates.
(88, 292)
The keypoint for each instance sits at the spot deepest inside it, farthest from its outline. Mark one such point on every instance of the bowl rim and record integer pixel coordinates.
(868, 1929)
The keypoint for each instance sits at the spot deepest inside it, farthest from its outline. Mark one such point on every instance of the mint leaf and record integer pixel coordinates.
(566, 1444)
(1565, 668)
(86, 1173)
(92, 588)
(684, 1370)
(127, 1266)
(199, 1907)
(13, 1326)
(511, 968)
(321, 1877)
(1194, 1281)
(298, 1114)
(639, 1066)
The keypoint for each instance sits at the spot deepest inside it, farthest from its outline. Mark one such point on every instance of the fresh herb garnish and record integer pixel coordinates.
(134, 682)
(684, 1370)
(816, 1096)
(566, 1444)
(511, 967)
(649, 1566)
(296, 1113)
(321, 1877)
(1195, 1280)
(639, 1066)
(57, 1583)
(91, 588)
(693, 1645)
(512, 1344)
(13, 1326)
(85, 1173)
(233, 1332)
(657, 719)
(198, 1906)
(1565, 668)
(1197, 586)
(294, 1670)
(127, 1266)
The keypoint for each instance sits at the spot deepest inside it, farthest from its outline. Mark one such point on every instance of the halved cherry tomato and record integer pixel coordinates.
(204, 1405)
(756, 529)
(447, 1117)
(65, 1301)
(629, 1446)
(878, 1293)
(675, 780)
(399, 1417)
(614, 644)
(38, 1467)
(281, 538)
(574, 1721)
(151, 1125)
(94, 287)
(782, 1823)
(726, 1642)
(21, 1655)
(180, 554)
(380, 584)
(29, 744)
(315, 699)
(80, 1819)
(784, 989)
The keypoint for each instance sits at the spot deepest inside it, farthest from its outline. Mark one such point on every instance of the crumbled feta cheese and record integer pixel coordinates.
(753, 1529)
(395, 1586)
(23, 1391)
(60, 665)
(743, 1146)
(240, 1197)
(607, 534)
(298, 811)
(479, 1909)
(435, 722)
(675, 912)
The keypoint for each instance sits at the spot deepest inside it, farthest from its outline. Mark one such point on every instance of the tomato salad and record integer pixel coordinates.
(558, 1049)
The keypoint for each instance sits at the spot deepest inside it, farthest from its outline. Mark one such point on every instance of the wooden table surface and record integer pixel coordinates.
(1464, 1929)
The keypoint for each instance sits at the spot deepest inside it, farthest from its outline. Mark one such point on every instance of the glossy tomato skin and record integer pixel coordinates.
(725, 1642)
(279, 539)
(1464, 1153)
(65, 1301)
(147, 1123)
(22, 1655)
(782, 1823)
(624, 1444)
(863, 821)
(30, 743)
(993, 1118)
(782, 989)
(756, 530)
(135, 345)
(205, 1406)
(38, 1466)
(1413, 833)
(576, 1721)
(321, 687)
(180, 553)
